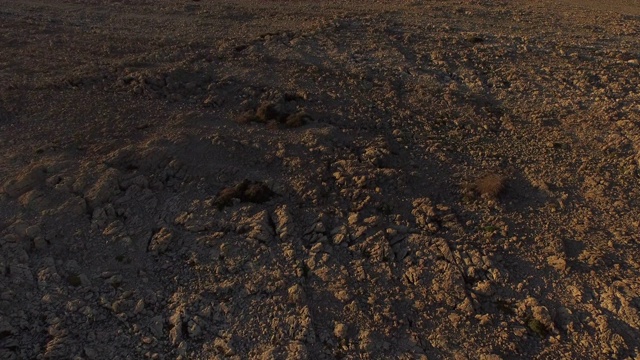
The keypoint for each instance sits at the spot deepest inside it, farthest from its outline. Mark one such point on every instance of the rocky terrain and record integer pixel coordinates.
(319, 179)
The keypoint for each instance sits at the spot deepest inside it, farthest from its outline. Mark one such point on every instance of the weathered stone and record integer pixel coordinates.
(340, 331)
(175, 334)
(25, 181)
(557, 263)
(296, 294)
(103, 189)
(156, 326)
(161, 241)
(33, 231)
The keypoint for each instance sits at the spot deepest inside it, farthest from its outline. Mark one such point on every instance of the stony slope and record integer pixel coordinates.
(287, 180)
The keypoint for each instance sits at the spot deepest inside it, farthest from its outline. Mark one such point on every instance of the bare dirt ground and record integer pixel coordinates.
(319, 180)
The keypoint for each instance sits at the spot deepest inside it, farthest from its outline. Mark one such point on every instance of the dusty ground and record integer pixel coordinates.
(425, 179)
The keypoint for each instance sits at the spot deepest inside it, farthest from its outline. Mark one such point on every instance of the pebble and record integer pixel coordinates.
(33, 231)
(161, 241)
(25, 181)
(84, 280)
(339, 238)
(76, 205)
(20, 227)
(194, 329)
(156, 327)
(90, 353)
(223, 345)
(119, 306)
(39, 243)
(114, 280)
(340, 331)
(557, 263)
(296, 294)
(139, 307)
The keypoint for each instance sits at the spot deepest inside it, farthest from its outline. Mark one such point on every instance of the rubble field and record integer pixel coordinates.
(319, 179)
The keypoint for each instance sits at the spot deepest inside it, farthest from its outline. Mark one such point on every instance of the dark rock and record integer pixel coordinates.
(247, 191)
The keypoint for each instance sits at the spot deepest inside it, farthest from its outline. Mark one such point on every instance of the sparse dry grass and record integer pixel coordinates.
(268, 113)
(246, 117)
(297, 119)
(246, 191)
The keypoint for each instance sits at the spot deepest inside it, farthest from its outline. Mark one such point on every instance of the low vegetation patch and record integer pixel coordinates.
(270, 114)
(246, 191)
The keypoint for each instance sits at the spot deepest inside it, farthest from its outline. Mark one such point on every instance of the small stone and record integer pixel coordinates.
(141, 181)
(316, 248)
(224, 346)
(75, 205)
(182, 349)
(368, 342)
(84, 280)
(71, 266)
(175, 334)
(296, 294)
(541, 314)
(104, 188)
(466, 306)
(319, 227)
(20, 273)
(115, 281)
(39, 243)
(206, 311)
(557, 263)
(25, 181)
(119, 306)
(90, 353)
(20, 228)
(353, 218)
(210, 101)
(455, 319)
(113, 228)
(340, 331)
(139, 307)
(483, 319)
(160, 241)
(483, 288)
(156, 326)
(343, 295)
(6, 328)
(339, 238)
(33, 231)
(194, 329)
(35, 199)
(519, 331)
